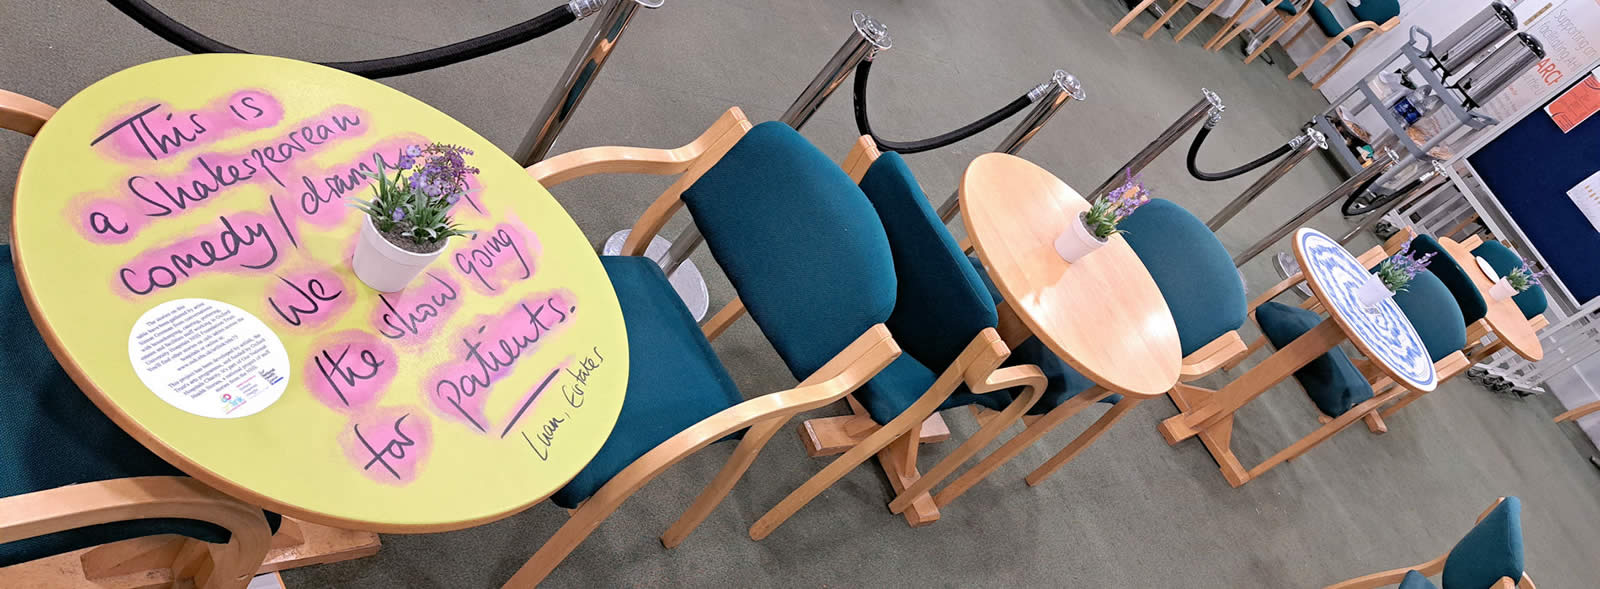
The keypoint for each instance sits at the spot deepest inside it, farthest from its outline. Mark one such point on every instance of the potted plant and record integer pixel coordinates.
(1091, 230)
(1392, 276)
(1514, 283)
(408, 219)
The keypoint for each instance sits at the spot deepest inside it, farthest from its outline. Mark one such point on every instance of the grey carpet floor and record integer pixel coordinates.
(1130, 512)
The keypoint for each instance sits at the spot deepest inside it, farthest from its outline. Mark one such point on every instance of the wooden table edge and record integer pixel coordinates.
(1469, 265)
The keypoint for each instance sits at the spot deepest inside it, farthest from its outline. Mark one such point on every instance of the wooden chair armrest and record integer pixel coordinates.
(1391, 577)
(1276, 290)
(1579, 412)
(22, 114)
(1539, 322)
(1472, 242)
(75, 506)
(633, 160)
(847, 371)
(1526, 582)
(1212, 356)
(1449, 366)
(1366, 24)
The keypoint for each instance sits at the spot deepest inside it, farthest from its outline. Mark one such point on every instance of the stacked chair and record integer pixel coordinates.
(71, 480)
(1489, 557)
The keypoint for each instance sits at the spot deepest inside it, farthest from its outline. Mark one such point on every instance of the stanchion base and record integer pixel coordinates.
(691, 287)
(1288, 266)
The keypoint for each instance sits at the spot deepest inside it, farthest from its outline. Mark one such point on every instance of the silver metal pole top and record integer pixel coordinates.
(1216, 101)
(1068, 83)
(1312, 135)
(873, 31)
(587, 8)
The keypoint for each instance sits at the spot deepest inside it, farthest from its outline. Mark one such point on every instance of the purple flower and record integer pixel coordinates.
(398, 215)
(453, 198)
(405, 163)
(413, 152)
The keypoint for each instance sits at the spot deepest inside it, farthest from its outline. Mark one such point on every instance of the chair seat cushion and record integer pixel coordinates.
(1431, 309)
(1532, 301)
(1332, 381)
(52, 435)
(1415, 580)
(1456, 279)
(674, 378)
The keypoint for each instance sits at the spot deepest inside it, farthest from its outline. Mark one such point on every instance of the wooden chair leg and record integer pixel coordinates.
(1017, 444)
(1132, 14)
(1083, 441)
(1326, 47)
(1226, 27)
(1321, 434)
(1579, 412)
(990, 430)
(1405, 399)
(584, 520)
(1246, 24)
(1273, 38)
(832, 473)
(1298, 35)
(1171, 12)
(750, 447)
(1210, 8)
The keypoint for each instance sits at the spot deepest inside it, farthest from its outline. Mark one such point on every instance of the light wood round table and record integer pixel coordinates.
(1104, 314)
(1505, 318)
(183, 240)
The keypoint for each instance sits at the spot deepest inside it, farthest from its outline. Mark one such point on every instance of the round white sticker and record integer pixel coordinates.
(209, 358)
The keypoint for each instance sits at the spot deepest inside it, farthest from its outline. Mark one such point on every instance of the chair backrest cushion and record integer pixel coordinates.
(1193, 270)
(1432, 310)
(1415, 580)
(942, 303)
(799, 241)
(1331, 380)
(1376, 11)
(1468, 299)
(1493, 549)
(1327, 21)
(1532, 301)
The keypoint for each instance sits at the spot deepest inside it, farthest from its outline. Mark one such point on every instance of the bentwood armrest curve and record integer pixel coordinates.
(633, 160)
(22, 114)
(76, 506)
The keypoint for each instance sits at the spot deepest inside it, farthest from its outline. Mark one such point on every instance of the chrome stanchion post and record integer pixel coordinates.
(864, 43)
(580, 74)
(1209, 108)
(1303, 145)
(1385, 160)
(1047, 99)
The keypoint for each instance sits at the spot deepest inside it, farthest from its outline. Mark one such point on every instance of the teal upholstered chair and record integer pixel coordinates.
(821, 289)
(1468, 298)
(1376, 17)
(1207, 301)
(1533, 301)
(71, 479)
(1490, 556)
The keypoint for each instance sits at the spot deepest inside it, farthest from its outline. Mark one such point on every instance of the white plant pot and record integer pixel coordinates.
(1502, 290)
(1077, 242)
(383, 265)
(1373, 292)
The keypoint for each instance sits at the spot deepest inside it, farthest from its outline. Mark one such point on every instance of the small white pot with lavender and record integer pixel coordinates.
(1513, 283)
(407, 222)
(1092, 229)
(1391, 277)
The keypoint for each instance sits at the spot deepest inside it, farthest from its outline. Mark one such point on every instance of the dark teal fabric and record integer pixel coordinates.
(1468, 299)
(800, 243)
(1532, 301)
(1062, 382)
(674, 379)
(1377, 11)
(1493, 549)
(1415, 580)
(51, 436)
(1193, 270)
(1328, 22)
(1332, 381)
(942, 303)
(1431, 309)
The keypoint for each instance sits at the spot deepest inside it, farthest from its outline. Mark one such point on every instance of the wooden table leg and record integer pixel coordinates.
(827, 436)
(1209, 414)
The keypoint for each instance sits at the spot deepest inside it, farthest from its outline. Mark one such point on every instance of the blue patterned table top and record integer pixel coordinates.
(1382, 331)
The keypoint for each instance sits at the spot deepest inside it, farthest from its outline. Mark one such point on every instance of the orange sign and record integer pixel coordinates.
(1576, 105)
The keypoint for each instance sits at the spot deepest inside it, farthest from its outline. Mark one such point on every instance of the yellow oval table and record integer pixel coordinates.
(182, 235)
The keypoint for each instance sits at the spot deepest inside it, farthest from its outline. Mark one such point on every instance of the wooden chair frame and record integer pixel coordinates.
(763, 416)
(1202, 362)
(1236, 25)
(230, 565)
(1291, 22)
(86, 504)
(1375, 28)
(1580, 412)
(1430, 568)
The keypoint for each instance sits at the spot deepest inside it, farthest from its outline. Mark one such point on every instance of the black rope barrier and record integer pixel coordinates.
(865, 128)
(1200, 138)
(194, 42)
